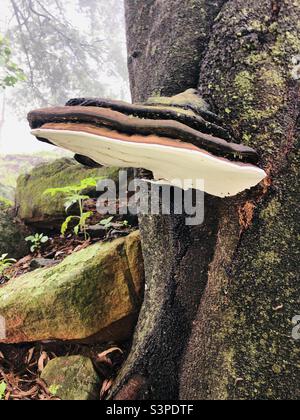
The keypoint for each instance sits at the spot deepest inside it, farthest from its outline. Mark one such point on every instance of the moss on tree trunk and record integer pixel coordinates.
(242, 344)
(217, 318)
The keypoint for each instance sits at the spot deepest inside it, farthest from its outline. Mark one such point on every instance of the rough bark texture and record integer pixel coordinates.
(241, 346)
(166, 42)
(216, 321)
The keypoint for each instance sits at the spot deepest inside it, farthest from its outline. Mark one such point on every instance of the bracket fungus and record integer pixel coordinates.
(178, 139)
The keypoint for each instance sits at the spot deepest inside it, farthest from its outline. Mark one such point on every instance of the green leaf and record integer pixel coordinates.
(85, 216)
(73, 195)
(53, 389)
(73, 189)
(89, 182)
(107, 222)
(11, 73)
(65, 225)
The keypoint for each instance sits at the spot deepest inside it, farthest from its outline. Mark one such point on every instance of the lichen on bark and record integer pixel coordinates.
(244, 348)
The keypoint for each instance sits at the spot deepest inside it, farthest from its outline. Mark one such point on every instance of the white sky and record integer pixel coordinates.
(16, 137)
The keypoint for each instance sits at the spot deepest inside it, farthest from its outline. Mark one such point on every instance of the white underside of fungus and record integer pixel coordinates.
(180, 165)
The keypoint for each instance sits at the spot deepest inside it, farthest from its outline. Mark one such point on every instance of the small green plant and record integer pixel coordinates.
(37, 241)
(5, 263)
(10, 73)
(73, 195)
(5, 202)
(53, 389)
(107, 223)
(3, 387)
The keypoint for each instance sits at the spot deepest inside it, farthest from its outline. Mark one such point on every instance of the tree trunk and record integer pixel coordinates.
(216, 322)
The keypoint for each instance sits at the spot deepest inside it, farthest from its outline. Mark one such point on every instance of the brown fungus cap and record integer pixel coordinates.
(130, 125)
(172, 137)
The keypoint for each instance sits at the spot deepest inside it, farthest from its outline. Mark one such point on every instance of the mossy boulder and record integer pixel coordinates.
(72, 378)
(12, 233)
(93, 294)
(44, 211)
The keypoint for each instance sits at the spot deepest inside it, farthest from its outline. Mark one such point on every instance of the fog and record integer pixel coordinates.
(15, 134)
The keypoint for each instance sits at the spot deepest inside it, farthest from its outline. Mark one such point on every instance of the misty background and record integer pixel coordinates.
(69, 48)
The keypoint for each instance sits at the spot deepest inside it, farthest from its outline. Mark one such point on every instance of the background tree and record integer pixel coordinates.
(10, 74)
(220, 298)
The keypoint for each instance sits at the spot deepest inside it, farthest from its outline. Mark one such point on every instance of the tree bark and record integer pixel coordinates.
(216, 322)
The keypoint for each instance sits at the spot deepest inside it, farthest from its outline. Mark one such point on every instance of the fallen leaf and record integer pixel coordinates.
(43, 385)
(23, 394)
(43, 360)
(107, 352)
(29, 356)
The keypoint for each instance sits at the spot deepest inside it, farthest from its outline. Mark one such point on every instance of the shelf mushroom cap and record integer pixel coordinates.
(175, 152)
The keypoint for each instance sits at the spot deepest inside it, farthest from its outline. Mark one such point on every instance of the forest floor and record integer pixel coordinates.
(21, 364)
